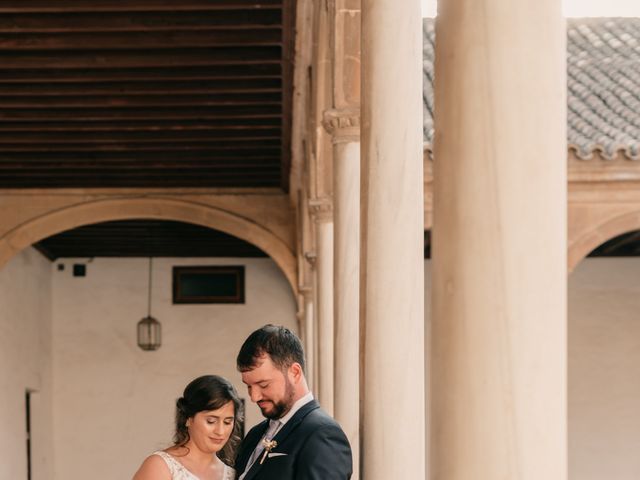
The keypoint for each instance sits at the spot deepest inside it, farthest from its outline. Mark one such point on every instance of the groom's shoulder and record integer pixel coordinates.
(318, 418)
(320, 431)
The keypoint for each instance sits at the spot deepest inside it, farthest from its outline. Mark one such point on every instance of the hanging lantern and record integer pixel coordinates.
(149, 333)
(149, 329)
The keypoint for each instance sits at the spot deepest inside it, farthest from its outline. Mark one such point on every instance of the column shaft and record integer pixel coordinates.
(309, 340)
(392, 271)
(324, 266)
(499, 242)
(346, 194)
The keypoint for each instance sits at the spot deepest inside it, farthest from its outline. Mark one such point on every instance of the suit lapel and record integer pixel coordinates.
(284, 432)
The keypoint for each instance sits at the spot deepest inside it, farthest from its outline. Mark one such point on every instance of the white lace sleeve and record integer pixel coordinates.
(178, 472)
(229, 473)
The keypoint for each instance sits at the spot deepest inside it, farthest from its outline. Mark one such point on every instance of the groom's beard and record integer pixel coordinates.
(281, 408)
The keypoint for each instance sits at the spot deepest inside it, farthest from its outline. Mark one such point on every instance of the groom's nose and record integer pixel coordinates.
(255, 394)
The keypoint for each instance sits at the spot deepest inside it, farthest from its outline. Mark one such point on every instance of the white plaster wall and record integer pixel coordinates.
(604, 370)
(114, 403)
(603, 366)
(25, 364)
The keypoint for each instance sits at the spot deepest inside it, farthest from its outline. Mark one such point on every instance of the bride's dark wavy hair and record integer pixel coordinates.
(209, 392)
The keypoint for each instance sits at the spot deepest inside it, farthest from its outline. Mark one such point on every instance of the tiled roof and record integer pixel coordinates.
(428, 56)
(603, 67)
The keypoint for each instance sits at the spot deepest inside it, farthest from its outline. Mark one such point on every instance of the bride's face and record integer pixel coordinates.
(210, 430)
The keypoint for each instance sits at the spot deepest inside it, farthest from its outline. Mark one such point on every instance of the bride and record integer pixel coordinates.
(208, 419)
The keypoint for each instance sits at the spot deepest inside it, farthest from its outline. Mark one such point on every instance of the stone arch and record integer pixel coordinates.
(159, 208)
(611, 228)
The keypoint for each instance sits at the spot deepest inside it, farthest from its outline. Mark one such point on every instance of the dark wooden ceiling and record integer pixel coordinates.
(145, 238)
(145, 93)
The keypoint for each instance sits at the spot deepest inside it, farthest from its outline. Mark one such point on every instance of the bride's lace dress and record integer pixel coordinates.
(179, 472)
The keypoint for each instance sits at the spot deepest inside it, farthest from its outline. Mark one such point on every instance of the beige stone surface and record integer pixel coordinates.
(600, 211)
(346, 76)
(499, 242)
(323, 216)
(346, 190)
(261, 217)
(392, 295)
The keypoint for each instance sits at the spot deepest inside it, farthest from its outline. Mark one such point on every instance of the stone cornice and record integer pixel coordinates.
(602, 169)
(343, 125)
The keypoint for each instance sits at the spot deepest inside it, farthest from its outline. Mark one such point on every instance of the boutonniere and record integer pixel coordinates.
(268, 446)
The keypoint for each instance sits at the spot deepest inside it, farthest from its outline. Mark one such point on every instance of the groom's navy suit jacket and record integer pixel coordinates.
(310, 446)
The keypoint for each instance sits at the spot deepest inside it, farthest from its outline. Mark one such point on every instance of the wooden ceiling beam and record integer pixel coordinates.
(159, 181)
(182, 171)
(87, 162)
(174, 172)
(141, 137)
(144, 158)
(256, 18)
(132, 74)
(107, 59)
(150, 100)
(158, 125)
(198, 87)
(136, 40)
(164, 113)
(212, 146)
(72, 6)
(179, 183)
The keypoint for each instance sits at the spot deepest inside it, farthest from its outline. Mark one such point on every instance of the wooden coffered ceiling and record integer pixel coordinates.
(145, 93)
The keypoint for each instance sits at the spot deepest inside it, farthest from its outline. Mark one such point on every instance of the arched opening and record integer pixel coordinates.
(73, 338)
(149, 207)
(612, 227)
(604, 358)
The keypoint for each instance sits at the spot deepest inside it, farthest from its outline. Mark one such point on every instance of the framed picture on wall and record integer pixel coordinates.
(208, 284)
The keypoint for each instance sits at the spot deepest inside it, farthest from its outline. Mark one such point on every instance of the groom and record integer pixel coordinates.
(297, 439)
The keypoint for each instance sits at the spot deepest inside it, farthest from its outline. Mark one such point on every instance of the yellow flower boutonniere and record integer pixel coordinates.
(268, 446)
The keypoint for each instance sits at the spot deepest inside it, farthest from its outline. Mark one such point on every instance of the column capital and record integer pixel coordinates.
(343, 124)
(321, 209)
(311, 257)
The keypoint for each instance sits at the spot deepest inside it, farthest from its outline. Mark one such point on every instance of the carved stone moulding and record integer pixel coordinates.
(600, 168)
(343, 125)
(321, 210)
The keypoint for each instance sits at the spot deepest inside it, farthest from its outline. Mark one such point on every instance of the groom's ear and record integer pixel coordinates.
(296, 371)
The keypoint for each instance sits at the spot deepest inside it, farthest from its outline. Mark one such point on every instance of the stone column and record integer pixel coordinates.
(392, 267)
(344, 126)
(308, 338)
(499, 242)
(323, 217)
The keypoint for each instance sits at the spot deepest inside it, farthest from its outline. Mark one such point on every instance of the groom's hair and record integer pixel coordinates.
(281, 344)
